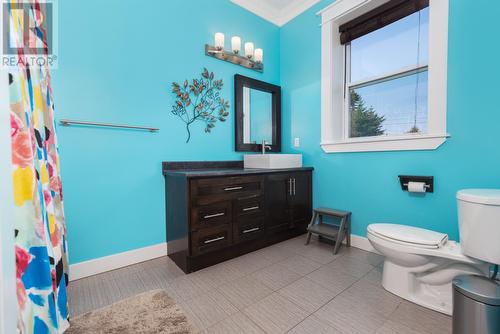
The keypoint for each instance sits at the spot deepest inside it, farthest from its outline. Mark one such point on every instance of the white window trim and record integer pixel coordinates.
(333, 137)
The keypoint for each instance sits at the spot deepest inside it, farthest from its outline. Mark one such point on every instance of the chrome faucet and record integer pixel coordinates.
(264, 146)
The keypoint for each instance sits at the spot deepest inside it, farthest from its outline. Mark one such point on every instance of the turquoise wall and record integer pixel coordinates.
(117, 60)
(366, 183)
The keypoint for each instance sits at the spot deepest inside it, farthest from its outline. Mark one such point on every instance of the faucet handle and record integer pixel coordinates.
(265, 146)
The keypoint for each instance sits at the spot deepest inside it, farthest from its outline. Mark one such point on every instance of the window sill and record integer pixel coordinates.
(378, 144)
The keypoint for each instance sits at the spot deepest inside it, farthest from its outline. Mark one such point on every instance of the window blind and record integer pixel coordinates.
(379, 17)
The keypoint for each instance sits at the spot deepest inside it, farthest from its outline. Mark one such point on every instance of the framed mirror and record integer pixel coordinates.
(258, 115)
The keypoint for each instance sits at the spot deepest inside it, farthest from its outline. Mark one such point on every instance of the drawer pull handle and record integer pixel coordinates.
(214, 240)
(214, 215)
(233, 188)
(251, 230)
(251, 208)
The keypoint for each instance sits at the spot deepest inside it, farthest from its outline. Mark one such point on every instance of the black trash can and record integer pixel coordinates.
(476, 305)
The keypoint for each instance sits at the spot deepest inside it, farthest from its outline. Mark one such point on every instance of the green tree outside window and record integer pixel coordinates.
(365, 121)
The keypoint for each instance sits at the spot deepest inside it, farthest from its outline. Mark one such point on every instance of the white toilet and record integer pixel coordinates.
(420, 264)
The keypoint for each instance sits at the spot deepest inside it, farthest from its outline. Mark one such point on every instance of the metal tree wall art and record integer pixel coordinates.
(200, 100)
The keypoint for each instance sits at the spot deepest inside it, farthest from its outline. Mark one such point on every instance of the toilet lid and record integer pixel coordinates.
(417, 237)
(480, 196)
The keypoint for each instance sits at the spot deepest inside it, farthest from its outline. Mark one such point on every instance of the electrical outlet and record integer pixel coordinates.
(296, 142)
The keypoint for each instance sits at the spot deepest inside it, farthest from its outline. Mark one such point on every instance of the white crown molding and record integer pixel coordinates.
(260, 8)
(116, 261)
(277, 16)
(295, 9)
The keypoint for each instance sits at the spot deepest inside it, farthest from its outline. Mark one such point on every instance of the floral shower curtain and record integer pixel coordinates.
(41, 249)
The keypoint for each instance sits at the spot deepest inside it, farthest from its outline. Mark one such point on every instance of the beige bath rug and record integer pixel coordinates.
(153, 312)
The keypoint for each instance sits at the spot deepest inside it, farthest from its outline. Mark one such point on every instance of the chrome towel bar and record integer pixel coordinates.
(68, 122)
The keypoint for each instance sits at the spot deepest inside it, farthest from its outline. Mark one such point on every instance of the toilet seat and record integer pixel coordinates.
(450, 250)
(408, 235)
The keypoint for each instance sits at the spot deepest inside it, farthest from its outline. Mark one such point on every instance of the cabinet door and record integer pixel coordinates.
(300, 199)
(277, 193)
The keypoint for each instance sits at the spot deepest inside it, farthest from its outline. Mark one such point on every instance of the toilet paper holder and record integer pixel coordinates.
(428, 180)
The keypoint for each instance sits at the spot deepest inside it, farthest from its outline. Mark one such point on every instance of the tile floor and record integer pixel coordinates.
(284, 288)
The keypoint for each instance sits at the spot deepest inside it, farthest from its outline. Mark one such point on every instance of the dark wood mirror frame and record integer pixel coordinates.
(240, 82)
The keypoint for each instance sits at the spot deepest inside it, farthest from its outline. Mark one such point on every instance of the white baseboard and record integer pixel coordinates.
(362, 243)
(120, 260)
(359, 242)
(115, 261)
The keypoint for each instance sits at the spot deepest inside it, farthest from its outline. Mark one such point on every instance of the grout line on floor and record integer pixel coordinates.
(338, 294)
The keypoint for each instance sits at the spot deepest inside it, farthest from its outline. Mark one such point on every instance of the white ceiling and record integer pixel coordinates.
(278, 12)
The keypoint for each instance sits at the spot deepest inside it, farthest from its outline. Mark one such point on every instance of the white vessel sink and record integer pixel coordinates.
(272, 161)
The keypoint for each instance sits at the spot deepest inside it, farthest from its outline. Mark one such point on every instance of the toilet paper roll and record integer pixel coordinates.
(416, 187)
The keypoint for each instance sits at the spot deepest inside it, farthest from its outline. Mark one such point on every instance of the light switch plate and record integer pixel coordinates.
(296, 142)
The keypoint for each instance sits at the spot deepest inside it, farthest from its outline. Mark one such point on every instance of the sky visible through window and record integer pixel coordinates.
(400, 45)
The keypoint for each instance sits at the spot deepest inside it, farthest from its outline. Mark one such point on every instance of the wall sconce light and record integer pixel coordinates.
(249, 50)
(253, 58)
(236, 44)
(219, 41)
(258, 56)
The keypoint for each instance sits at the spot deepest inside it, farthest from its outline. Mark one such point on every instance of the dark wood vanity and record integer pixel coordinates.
(218, 210)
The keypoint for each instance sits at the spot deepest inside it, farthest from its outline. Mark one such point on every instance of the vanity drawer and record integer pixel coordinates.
(249, 206)
(248, 228)
(210, 215)
(210, 239)
(205, 191)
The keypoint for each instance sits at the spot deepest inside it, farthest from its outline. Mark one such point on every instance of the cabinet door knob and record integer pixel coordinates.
(290, 186)
(294, 188)
(209, 241)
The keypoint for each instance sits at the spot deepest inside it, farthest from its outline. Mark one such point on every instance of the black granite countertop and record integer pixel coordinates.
(231, 172)
(219, 168)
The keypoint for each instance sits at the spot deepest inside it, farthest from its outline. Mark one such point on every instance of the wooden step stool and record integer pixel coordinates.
(330, 231)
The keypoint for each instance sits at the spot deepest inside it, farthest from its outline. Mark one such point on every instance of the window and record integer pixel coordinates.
(386, 81)
(383, 97)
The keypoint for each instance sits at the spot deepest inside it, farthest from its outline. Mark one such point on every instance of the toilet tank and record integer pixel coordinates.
(479, 221)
